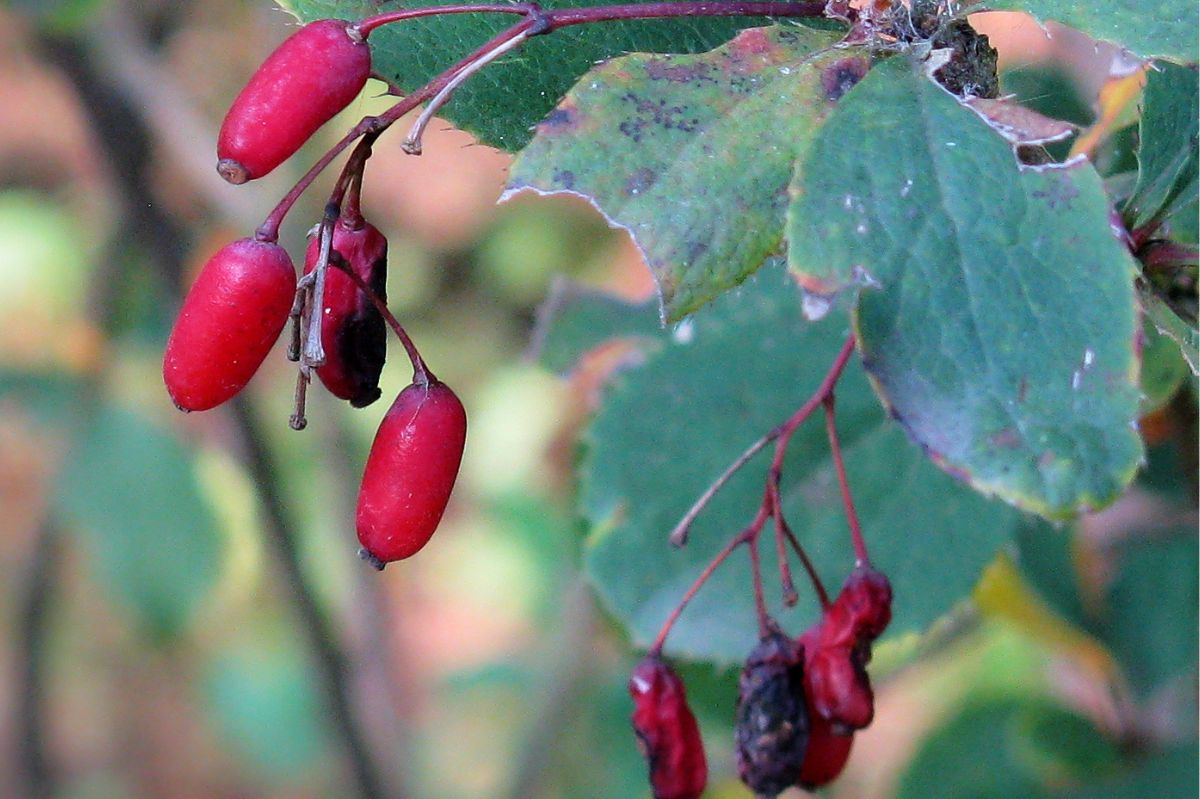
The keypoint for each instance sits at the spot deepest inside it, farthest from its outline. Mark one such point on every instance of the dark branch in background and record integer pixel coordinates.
(36, 777)
(126, 140)
(330, 660)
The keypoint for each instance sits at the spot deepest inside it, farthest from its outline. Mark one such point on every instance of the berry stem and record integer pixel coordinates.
(680, 532)
(835, 449)
(412, 142)
(551, 20)
(718, 559)
(787, 584)
(373, 126)
(760, 601)
(421, 373)
(813, 577)
(365, 27)
(537, 21)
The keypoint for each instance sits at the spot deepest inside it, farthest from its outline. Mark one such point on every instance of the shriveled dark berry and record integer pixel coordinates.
(771, 732)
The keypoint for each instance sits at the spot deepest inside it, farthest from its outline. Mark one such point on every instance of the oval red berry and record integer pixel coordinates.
(311, 76)
(410, 472)
(353, 332)
(230, 318)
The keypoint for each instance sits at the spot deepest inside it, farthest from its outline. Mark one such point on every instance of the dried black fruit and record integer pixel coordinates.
(771, 732)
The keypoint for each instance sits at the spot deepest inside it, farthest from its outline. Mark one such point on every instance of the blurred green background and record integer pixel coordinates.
(181, 609)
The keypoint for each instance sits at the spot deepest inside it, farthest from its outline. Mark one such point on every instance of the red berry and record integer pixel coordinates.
(838, 648)
(667, 731)
(410, 472)
(826, 755)
(867, 597)
(311, 76)
(839, 687)
(229, 320)
(771, 732)
(353, 333)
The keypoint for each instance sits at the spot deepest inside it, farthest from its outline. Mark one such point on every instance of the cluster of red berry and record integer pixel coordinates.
(799, 701)
(247, 292)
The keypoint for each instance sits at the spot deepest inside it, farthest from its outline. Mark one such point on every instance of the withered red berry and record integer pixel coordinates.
(311, 76)
(410, 472)
(230, 318)
(867, 598)
(353, 332)
(826, 755)
(667, 731)
(771, 732)
(838, 648)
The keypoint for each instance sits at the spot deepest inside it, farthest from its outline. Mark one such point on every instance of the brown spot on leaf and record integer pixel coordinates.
(564, 178)
(640, 181)
(1008, 438)
(1059, 191)
(841, 76)
(560, 120)
(664, 69)
(752, 41)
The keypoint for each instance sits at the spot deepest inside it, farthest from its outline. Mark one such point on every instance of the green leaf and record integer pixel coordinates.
(48, 396)
(262, 698)
(130, 491)
(1007, 748)
(1046, 555)
(1167, 157)
(999, 320)
(1163, 368)
(502, 103)
(1163, 774)
(1164, 28)
(1167, 322)
(576, 319)
(1150, 618)
(667, 429)
(971, 756)
(691, 154)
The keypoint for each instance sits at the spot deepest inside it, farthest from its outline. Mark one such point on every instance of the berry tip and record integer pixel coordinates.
(232, 171)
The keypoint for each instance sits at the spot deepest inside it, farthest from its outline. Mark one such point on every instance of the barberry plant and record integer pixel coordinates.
(837, 202)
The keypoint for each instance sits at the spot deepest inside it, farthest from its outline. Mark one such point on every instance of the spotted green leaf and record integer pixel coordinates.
(690, 153)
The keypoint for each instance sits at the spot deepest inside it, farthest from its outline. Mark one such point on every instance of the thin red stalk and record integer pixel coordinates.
(824, 390)
(537, 21)
(421, 373)
(740, 538)
(787, 584)
(760, 602)
(679, 534)
(561, 18)
(269, 229)
(775, 509)
(366, 26)
(835, 449)
(818, 586)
